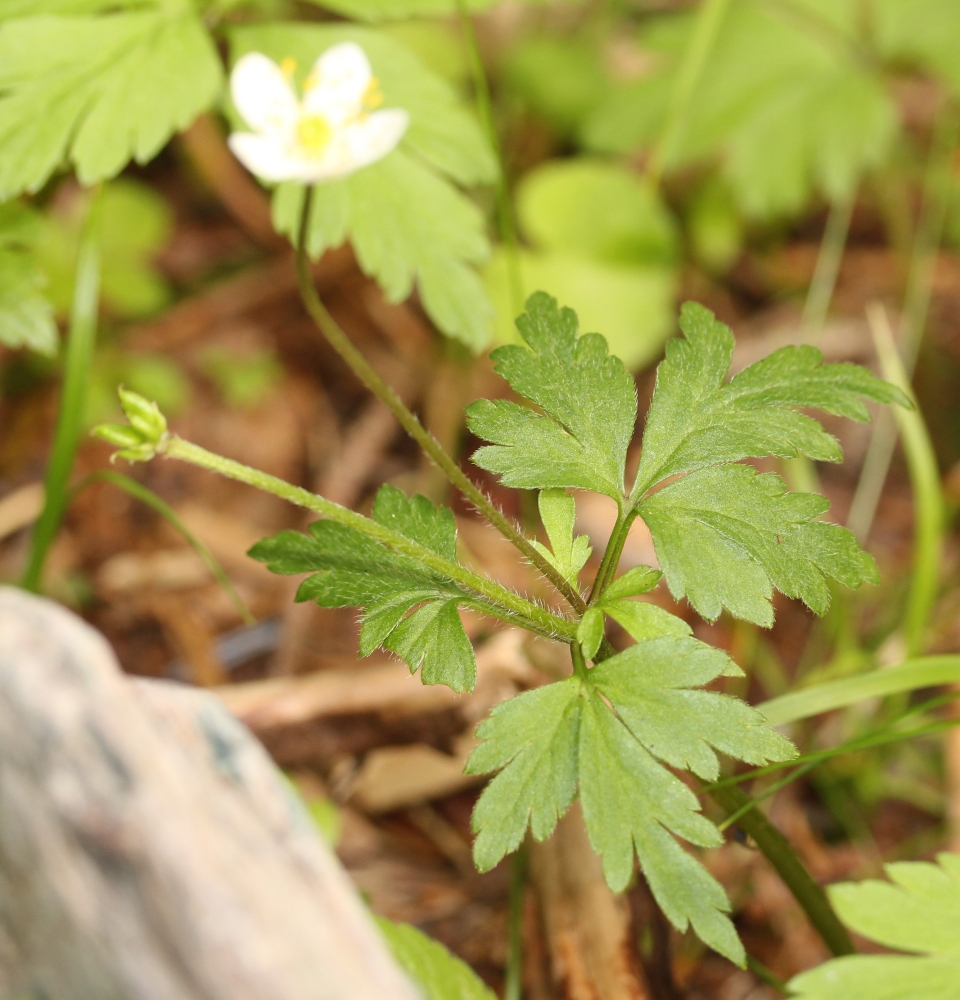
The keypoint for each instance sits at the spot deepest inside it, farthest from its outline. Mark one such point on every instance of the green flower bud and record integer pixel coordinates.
(143, 415)
(121, 435)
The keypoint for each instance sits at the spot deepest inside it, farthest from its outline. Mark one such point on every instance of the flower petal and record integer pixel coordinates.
(269, 157)
(262, 94)
(338, 83)
(360, 143)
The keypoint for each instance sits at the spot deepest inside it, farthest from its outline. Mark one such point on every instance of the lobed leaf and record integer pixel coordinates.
(696, 420)
(603, 734)
(349, 568)
(917, 911)
(588, 400)
(726, 536)
(558, 512)
(98, 90)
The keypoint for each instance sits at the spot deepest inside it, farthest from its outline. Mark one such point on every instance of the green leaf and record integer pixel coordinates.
(565, 735)
(598, 210)
(590, 631)
(726, 536)
(98, 91)
(26, 316)
(440, 975)
(637, 580)
(696, 420)
(533, 737)
(631, 803)
(558, 511)
(406, 221)
(917, 911)
(649, 686)
(923, 672)
(923, 32)
(350, 568)
(632, 305)
(642, 620)
(588, 399)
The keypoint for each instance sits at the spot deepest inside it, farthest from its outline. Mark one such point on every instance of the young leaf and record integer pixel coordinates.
(641, 619)
(99, 90)
(649, 686)
(631, 803)
(351, 569)
(588, 399)
(919, 911)
(406, 221)
(440, 975)
(637, 580)
(558, 511)
(534, 738)
(26, 316)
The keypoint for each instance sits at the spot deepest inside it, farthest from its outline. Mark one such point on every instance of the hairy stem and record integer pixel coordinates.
(927, 490)
(518, 609)
(81, 340)
(777, 850)
(342, 344)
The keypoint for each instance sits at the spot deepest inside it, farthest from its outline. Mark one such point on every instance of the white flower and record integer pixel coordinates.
(333, 131)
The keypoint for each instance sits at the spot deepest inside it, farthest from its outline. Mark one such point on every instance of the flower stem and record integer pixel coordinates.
(777, 850)
(342, 344)
(518, 609)
(81, 340)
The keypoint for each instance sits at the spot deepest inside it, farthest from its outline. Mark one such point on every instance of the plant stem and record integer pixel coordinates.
(151, 499)
(519, 609)
(342, 344)
(513, 986)
(81, 339)
(612, 553)
(506, 223)
(709, 18)
(762, 972)
(928, 498)
(824, 281)
(777, 850)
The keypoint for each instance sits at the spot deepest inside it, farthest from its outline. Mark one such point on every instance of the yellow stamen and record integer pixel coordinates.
(373, 95)
(313, 134)
(288, 66)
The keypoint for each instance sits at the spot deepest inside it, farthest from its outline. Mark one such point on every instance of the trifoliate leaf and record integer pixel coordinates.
(588, 399)
(350, 568)
(534, 738)
(558, 511)
(406, 221)
(633, 804)
(557, 738)
(26, 316)
(726, 536)
(98, 90)
(440, 975)
(918, 911)
(649, 685)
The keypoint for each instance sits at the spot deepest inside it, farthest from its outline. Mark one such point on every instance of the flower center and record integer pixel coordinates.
(313, 134)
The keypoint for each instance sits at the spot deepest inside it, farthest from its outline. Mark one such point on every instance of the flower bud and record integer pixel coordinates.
(144, 416)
